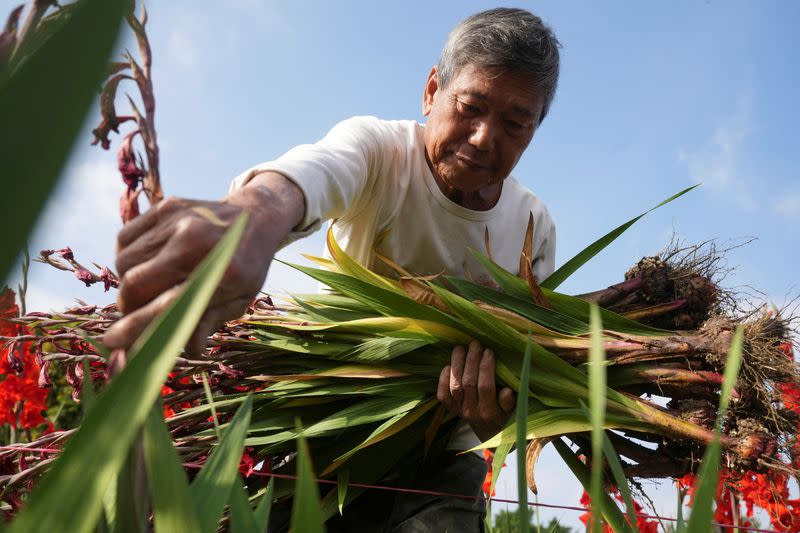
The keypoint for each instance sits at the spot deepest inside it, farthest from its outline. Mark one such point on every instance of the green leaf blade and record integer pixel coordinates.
(212, 486)
(306, 510)
(557, 278)
(173, 508)
(42, 113)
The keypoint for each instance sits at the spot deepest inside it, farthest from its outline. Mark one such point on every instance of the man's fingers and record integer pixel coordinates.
(139, 225)
(144, 248)
(457, 361)
(469, 379)
(443, 389)
(507, 401)
(127, 329)
(145, 281)
(487, 391)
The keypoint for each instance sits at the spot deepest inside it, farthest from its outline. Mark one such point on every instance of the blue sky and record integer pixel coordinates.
(653, 97)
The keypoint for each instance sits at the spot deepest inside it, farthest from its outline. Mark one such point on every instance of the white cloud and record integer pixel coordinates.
(184, 43)
(789, 205)
(84, 211)
(716, 163)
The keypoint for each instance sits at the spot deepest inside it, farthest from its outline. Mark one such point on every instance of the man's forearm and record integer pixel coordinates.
(274, 199)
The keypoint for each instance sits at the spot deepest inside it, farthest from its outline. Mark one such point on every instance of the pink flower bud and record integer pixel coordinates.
(13, 359)
(37, 353)
(231, 372)
(66, 253)
(44, 379)
(72, 377)
(108, 279)
(85, 276)
(129, 205)
(126, 162)
(81, 309)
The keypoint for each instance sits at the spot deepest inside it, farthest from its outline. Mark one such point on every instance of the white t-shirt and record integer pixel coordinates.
(372, 176)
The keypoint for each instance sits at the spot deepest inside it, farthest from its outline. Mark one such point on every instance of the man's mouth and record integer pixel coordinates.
(469, 162)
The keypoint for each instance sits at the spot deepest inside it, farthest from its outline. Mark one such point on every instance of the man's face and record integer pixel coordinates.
(478, 126)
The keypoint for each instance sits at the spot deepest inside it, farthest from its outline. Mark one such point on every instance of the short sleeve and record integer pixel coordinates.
(332, 173)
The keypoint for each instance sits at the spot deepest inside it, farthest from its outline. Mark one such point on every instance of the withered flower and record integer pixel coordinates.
(126, 161)
(66, 253)
(108, 279)
(85, 276)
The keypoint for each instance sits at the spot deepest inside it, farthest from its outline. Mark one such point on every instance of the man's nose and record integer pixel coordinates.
(482, 135)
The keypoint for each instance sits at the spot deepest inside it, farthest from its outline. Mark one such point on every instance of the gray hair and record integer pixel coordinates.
(507, 38)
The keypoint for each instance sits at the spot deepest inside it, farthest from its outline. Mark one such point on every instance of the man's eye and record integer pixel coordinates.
(467, 109)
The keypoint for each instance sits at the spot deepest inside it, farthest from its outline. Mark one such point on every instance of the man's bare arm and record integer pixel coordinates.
(157, 251)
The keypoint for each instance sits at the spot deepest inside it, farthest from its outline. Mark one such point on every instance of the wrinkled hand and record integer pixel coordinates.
(467, 389)
(157, 251)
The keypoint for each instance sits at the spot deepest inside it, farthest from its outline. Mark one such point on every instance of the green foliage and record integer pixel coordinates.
(521, 415)
(507, 522)
(306, 509)
(69, 497)
(173, 508)
(44, 99)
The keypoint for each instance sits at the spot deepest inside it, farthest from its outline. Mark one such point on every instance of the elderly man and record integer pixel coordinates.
(421, 195)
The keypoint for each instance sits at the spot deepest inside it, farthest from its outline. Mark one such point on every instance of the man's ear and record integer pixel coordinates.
(431, 87)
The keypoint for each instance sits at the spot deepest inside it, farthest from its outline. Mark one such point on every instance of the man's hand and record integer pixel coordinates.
(467, 389)
(157, 251)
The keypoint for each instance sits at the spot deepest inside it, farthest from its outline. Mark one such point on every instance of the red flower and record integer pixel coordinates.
(488, 456)
(172, 409)
(248, 462)
(645, 525)
(790, 395)
(22, 401)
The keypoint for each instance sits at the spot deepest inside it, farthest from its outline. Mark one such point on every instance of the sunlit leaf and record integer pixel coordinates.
(562, 273)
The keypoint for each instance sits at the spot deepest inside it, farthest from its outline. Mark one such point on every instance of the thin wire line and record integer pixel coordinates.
(424, 492)
(470, 497)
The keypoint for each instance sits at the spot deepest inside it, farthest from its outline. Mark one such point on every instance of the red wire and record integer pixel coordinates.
(468, 497)
(425, 492)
